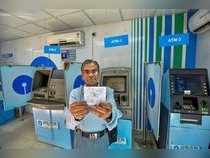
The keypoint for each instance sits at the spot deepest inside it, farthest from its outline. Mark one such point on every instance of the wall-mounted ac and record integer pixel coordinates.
(200, 21)
(72, 39)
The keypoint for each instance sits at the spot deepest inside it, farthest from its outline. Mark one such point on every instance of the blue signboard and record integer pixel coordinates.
(52, 49)
(68, 54)
(172, 40)
(115, 41)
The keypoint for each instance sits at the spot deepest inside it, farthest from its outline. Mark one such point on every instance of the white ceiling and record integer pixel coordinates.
(19, 24)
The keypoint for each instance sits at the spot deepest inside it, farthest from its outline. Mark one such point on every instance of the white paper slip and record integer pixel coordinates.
(94, 95)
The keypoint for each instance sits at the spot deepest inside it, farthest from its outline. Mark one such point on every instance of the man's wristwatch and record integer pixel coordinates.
(109, 118)
(78, 119)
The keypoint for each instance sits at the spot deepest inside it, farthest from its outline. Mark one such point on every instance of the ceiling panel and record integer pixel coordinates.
(3, 27)
(20, 33)
(59, 12)
(164, 11)
(32, 15)
(7, 30)
(12, 33)
(18, 23)
(7, 35)
(102, 16)
(168, 11)
(76, 20)
(10, 20)
(53, 24)
(148, 12)
(129, 14)
(33, 29)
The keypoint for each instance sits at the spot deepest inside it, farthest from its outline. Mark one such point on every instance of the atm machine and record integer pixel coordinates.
(119, 80)
(185, 110)
(48, 104)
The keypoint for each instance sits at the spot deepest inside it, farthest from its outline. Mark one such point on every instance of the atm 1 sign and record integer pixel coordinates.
(115, 41)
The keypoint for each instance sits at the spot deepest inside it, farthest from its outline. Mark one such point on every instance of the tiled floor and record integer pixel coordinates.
(19, 134)
(139, 142)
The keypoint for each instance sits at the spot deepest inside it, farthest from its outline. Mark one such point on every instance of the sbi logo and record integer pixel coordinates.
(22, 84)
(43, 62)
(151, 92)
(78, 82)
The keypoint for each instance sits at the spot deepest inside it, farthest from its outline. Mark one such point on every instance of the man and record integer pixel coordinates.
(92, 124)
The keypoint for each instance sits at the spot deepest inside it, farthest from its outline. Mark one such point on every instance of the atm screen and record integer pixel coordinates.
(118, 83)
(41, 79)
(190, 83)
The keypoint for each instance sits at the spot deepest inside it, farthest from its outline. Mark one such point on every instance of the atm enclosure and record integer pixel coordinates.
(48, 105)
(15, 89)
(185, 110)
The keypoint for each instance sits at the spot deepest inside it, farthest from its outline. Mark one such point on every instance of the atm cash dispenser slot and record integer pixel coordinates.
(190, 104)
(191, 119)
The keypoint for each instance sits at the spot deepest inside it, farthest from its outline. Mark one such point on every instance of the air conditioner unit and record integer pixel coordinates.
(72, 39)
(200, 21)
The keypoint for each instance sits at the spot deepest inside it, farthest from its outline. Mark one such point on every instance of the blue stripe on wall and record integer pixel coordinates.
(191, 48)
(167, 50)
(151, 39)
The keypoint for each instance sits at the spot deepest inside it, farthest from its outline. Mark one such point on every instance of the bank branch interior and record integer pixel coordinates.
(154, 61)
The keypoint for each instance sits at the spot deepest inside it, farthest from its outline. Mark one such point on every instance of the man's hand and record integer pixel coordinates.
(79, 109)
(102, 110)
